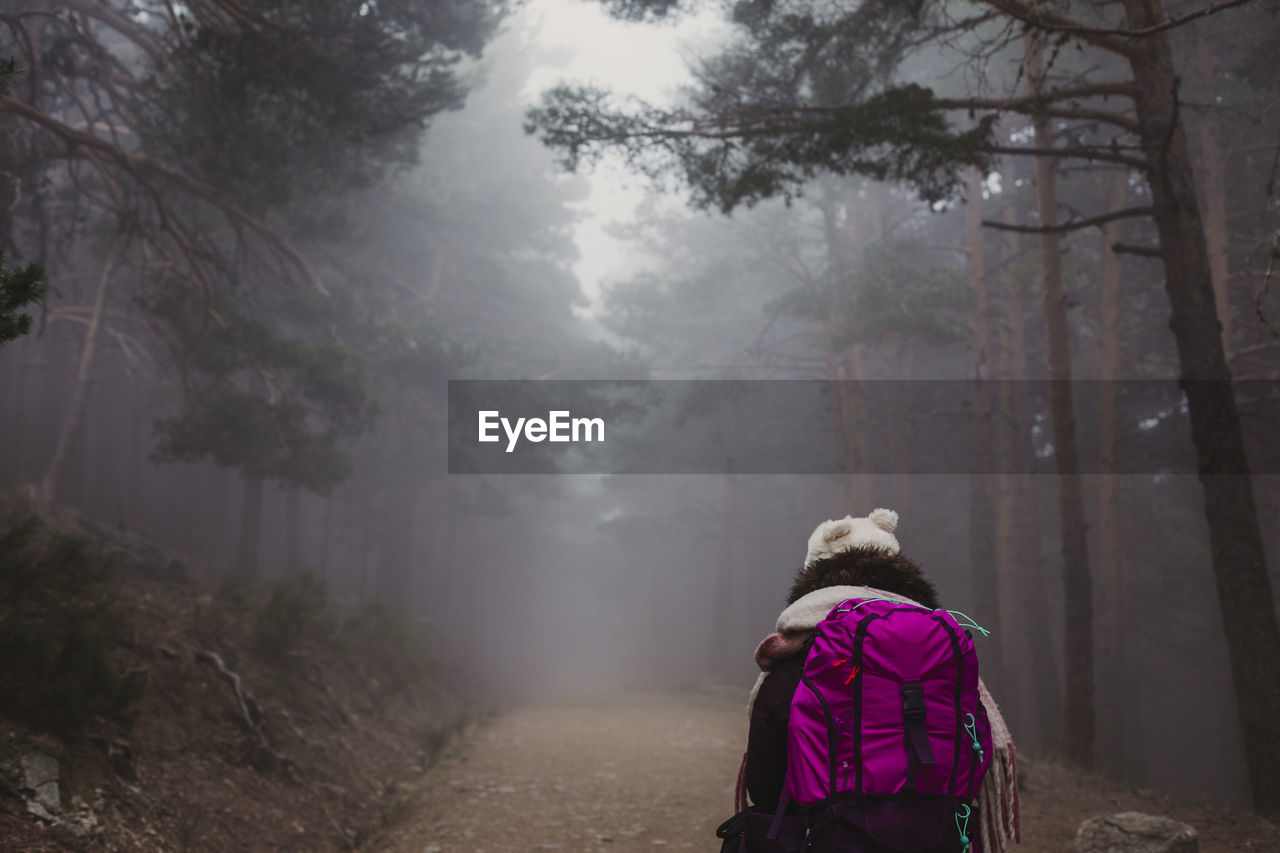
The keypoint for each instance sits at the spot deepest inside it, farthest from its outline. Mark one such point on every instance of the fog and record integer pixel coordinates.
(252, 367)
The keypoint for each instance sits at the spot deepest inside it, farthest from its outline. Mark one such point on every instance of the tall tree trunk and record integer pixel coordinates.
(326, 536)
(1078, 714)
(293, 540)
(852, 426)
(397, 555)
(1111, 597)
(983, 566)
(1217, 235)
(246, 562)
(397, 552)
(1009, 368)
(1023, 583)
(79, 390)
(844, 362)
(1235, 537)
(368, 536)
(722, 603)
(897, 363)
(12, 436)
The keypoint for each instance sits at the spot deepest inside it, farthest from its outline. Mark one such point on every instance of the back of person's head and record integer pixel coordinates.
(861, 552)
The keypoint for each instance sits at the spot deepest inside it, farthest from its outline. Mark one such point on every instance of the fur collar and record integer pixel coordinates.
(812, 608)
(873, 567)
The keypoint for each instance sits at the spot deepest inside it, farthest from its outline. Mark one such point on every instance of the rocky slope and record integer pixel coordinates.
(139, 711)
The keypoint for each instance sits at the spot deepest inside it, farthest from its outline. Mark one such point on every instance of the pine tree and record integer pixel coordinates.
(809, 88)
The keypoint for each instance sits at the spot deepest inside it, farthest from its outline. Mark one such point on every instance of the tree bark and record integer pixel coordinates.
(1024, 604)
(1008, 367)
(1078, 713)
(79, 391)
(983, 562)
(1111, 597)
(1217, 235)
(1235, 536)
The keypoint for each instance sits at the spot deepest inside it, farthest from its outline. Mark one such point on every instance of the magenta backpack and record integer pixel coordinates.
(887, 740)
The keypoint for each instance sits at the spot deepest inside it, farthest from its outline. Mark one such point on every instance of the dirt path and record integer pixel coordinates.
(647, 773)
(657, 772)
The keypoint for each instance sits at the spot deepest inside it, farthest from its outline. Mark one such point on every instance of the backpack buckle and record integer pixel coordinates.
(919, 753)
(913, 700)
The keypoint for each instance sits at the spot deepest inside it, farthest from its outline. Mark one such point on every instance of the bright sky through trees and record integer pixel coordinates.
(584, 45)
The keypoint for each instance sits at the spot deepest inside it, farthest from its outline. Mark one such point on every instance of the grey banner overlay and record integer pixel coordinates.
(792, 427)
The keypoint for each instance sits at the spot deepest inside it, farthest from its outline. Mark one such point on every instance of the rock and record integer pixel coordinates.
(1133, 832)
(81, 824)
(40, 776)
(48, 796)
(37, 769)
(39, 811)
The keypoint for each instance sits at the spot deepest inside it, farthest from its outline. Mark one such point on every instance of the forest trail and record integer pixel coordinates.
(620, 775)
(656, 772)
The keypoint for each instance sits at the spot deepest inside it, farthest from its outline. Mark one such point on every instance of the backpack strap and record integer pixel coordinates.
(918, 750)
(783, 801)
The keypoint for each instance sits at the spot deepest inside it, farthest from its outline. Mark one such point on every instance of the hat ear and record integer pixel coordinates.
(885, 519)
(837, 529)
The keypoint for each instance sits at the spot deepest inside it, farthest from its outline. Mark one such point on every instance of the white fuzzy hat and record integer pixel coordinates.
(845, 534)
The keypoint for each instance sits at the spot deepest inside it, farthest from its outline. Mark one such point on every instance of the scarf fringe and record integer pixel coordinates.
(999, 807)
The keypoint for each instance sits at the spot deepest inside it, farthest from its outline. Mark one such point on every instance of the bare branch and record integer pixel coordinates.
(1255, 349)
(148, 40)
(1072, 151)
(1072, 225)
(1057, 24)
(136, 165)
(1141, 251)
(1043, 20)
(1039, 105)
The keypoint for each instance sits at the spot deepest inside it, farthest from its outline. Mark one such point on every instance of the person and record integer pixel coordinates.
(849, 558)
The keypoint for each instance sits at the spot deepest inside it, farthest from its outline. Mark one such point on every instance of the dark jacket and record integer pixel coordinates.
(767, 736)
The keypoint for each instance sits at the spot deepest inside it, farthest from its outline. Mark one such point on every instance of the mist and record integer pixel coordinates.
(270, 276)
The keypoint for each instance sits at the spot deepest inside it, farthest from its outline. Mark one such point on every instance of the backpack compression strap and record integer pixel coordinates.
(918, 749)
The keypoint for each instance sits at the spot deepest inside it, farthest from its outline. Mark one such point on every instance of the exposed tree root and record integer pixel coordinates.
(250, 710)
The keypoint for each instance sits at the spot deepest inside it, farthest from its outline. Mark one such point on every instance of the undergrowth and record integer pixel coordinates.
(61, 621)
(58, 621)
(295, 619)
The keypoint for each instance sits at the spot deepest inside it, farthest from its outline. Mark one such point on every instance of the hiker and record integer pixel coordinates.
(935, 775)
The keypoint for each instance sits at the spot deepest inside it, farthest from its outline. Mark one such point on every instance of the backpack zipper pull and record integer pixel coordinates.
(963, 829)
(971, 728)
(968, 622)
